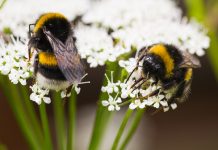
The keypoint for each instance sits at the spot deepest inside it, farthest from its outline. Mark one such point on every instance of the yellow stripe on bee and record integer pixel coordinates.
(45, 18)
(162, 52)
(48, 59)
(188, 74)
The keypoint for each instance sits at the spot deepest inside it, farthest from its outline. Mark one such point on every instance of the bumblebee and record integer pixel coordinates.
(169, 67)
(57, 64)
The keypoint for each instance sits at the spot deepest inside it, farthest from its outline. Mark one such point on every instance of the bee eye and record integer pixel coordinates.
(50, 25)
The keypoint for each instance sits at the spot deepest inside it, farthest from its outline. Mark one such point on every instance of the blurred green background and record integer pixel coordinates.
(193, 126)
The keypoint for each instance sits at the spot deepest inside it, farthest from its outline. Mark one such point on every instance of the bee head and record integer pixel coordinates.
(59, 28)
(153, 66)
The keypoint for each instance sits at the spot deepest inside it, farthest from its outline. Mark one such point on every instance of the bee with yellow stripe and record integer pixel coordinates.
(169, 67)
(57, 64)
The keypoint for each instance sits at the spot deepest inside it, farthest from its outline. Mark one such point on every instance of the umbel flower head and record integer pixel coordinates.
(112, 28)
(13, 60)
(144, 29)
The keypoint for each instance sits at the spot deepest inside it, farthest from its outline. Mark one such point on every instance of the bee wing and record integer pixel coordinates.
(189, 61)
(67, 56)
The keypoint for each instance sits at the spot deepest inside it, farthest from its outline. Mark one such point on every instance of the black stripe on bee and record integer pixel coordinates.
(51, 72)
(174, 54)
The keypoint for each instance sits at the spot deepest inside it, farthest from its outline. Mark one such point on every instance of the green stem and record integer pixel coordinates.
(103, 116)
(213, 53)
(126, 102)
(121, 129)
(31, 112)
(196, 9)
(13, 96)
(45, 125)
(59, 120)
(2, 4)
(133, 127)
(72, 122)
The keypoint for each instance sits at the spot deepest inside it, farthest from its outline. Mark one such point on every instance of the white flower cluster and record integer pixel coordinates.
(187, 36)
(142, 23)
(129, 64)
(13, 60)
(112, 103)
(139, 98)
(18, 14)
(38, 94)
(95, 45)
(115, 14)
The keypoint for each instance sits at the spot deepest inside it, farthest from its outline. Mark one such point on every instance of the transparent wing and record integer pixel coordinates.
(67, 56)
(190, 61)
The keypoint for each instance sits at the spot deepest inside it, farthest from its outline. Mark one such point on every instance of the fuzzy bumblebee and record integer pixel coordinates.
(57, 64)
(169, 67)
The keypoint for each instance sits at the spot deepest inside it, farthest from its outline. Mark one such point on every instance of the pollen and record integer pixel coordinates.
(161, 51)
(188, 74)
(48, 59)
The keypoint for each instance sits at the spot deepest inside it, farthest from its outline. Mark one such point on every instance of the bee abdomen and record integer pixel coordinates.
(51, 72)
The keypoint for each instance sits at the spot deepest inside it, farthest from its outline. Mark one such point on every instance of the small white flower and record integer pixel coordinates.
(38, 95)
(129, 64)
(75, 87)
(137, 103)
(111, 86)
(156, 101)
(112, 103)
(149, 90)
(65, 94)
(173, 106)
(165, 109)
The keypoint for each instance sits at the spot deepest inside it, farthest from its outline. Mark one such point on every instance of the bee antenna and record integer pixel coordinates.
(85, 82)
(131, 74)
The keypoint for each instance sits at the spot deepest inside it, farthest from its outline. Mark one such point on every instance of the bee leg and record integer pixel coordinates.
(168, 85)
(139, 59)
(77, 20)
(139, 86)
(149, 95)
(68, 91)
(30, 31)
(137, 81)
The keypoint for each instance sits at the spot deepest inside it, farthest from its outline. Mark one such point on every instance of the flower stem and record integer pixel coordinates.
(72, 122)
(103, 116)
(16, 105)
(2, 4)
(31, 112)
(135, 123)
(59, 120)
(45, 125)
(121, 129)
(126, 102)
(196, 9)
